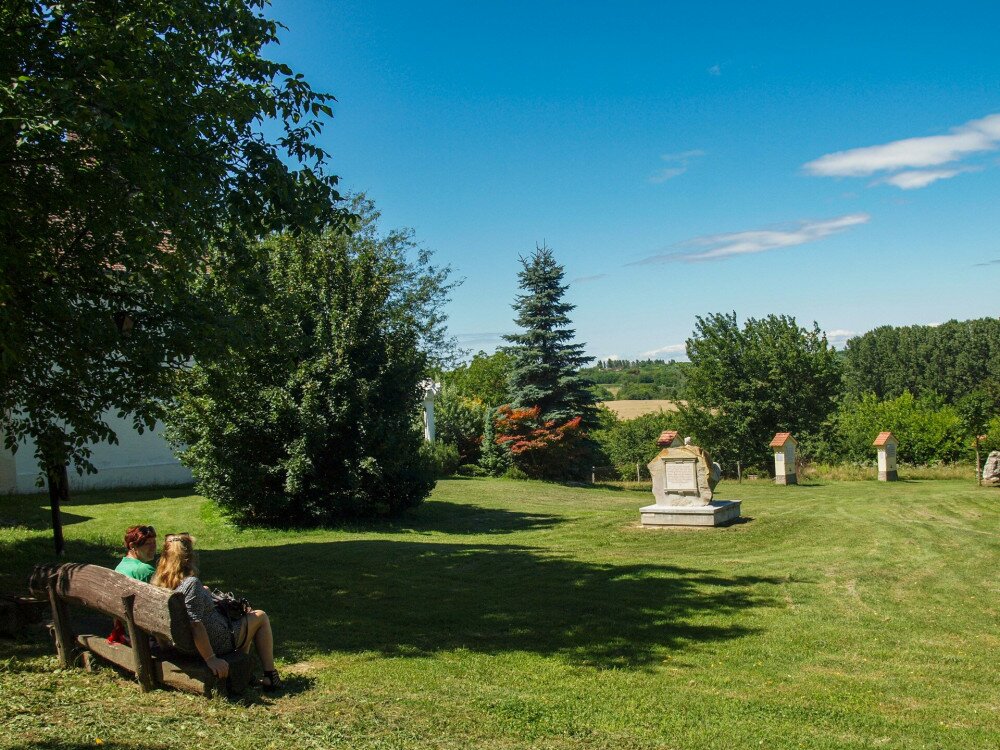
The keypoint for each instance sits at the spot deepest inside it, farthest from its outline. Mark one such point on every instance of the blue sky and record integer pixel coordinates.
(839, 164)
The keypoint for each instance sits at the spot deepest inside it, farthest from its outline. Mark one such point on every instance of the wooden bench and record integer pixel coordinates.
(146, 611)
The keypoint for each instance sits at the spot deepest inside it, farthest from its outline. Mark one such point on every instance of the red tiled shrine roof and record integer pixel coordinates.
(780, 439)
(666, 438)
(883, 438)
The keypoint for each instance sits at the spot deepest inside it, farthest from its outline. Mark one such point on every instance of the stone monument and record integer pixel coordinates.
(784, 458)
(886, 443)
(991, 469)
(684, 478)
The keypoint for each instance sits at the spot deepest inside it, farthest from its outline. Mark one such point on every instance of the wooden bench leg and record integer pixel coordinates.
(141, 656)
(60, 626)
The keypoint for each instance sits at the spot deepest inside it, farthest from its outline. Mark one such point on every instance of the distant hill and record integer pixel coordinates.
(635, 380)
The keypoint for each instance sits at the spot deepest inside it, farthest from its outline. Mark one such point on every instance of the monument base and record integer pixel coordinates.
(888, 476)
(786, 479)
(716, 513)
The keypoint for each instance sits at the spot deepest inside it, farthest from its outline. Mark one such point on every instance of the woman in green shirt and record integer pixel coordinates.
(140, 543)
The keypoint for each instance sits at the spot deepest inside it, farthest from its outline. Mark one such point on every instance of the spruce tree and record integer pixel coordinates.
(546, 362)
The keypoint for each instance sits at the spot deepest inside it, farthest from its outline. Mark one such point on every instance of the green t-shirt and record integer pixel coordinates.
(137, 569)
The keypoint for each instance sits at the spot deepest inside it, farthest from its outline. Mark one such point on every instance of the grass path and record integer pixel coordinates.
(527, 615)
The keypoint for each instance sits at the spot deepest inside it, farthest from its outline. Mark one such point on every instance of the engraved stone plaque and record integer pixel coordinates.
(680, 476)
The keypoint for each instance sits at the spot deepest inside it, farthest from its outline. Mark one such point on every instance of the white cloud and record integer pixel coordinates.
(974, 137)
(669, 349)
(839, 336)
(588, 279)
(679, 162)
(667, 173)
(918, 178)
(715, 70)
(718, 246)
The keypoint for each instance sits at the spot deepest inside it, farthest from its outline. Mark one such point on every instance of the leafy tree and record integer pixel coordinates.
(628, 442)
(484, 379)
(311, 418)
(131, 150)
(745, 384)
(545, 427)
(974, 411)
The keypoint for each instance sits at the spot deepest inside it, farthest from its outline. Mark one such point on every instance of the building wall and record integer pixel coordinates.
(136, 461)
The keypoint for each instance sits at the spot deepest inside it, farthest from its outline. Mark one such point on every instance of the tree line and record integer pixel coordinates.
(746, 381)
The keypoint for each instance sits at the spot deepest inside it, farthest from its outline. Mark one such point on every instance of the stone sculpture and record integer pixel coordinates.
(684, 481)
(991, 469)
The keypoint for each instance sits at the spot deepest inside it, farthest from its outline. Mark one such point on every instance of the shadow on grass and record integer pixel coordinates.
(462, 518)
(35, 518)
(414, 599)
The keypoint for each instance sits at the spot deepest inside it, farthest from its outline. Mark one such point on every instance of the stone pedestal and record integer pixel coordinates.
(684, 479)
(716, 513)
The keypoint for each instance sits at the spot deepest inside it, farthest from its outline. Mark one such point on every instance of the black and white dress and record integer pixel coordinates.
(201, 608)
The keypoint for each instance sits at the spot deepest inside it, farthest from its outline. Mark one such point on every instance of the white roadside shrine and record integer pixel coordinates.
(784, 446)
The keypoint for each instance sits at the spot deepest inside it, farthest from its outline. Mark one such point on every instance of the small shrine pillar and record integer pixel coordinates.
(886, 444)
(784, 446)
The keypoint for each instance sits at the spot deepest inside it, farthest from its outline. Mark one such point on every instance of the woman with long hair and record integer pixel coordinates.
(178, 570)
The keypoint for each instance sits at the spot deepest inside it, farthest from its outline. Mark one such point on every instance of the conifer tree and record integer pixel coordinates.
(546, 361)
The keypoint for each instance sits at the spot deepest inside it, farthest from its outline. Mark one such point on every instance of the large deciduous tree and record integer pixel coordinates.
(311, 418)
(745, 384)
(552, 404)
(133, 149)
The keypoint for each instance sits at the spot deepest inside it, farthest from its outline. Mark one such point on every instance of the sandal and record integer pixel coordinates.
(271, 681)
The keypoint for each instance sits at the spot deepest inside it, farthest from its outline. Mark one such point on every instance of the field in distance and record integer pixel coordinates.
(632, 409)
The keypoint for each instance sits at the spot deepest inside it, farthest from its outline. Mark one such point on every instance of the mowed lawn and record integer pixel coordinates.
(525, 615)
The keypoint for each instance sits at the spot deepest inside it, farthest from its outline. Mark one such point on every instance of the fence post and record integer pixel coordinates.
(638, 478)
(593, 475)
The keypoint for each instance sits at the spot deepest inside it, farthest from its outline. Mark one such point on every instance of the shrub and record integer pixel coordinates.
(632, 441)
(459, 420)
(443, 457)
(311, 419)
(928, 430)
(544, 449)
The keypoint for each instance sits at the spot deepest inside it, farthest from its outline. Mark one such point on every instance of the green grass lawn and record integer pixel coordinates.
(526, 615)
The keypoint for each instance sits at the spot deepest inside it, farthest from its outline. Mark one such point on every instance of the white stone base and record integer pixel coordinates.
(716, 513)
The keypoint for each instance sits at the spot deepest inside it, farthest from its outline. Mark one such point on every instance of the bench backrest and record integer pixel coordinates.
(157, 611)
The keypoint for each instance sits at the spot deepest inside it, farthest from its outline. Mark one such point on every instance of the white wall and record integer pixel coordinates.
(137, 461)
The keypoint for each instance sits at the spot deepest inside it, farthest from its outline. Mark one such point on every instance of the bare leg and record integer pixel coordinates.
(259, 634)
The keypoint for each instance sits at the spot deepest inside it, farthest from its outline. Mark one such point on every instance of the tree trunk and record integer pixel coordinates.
(58, 482)
(979, 466)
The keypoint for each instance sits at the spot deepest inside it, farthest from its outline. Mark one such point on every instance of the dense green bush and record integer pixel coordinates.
(632, 441)
(928, 430)
(443, 457)
(311, 419)
(459, 421)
